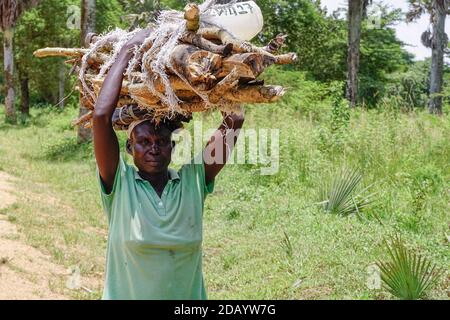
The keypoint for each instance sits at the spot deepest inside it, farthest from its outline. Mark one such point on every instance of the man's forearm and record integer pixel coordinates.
(110, 92)
(231, 121)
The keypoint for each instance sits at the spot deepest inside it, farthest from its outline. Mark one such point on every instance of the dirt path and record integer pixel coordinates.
(25, 272)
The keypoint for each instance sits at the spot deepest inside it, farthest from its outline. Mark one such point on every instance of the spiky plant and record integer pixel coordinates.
(407, 275)
(287, 245)
(343, 196)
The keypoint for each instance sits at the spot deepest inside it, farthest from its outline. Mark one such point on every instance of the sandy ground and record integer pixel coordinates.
(25, 272)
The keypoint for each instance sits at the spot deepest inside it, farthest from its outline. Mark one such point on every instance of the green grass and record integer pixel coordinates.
(265, 237)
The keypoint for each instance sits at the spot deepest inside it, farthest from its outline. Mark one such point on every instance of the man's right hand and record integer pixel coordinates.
(138, 38)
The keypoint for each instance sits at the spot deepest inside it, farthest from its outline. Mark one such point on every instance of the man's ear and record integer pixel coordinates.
(128, 147)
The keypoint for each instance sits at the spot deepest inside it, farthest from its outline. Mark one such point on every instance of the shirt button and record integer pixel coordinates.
(160, 204)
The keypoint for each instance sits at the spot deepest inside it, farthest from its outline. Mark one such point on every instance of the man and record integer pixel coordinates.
(154, 213)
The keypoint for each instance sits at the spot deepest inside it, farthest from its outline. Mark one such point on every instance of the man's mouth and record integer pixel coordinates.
(153, 161)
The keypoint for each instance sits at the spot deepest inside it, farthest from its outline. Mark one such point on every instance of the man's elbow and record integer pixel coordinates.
(239, 121)
(101, 117)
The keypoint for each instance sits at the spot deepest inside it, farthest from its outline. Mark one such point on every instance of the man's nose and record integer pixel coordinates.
(154, 148)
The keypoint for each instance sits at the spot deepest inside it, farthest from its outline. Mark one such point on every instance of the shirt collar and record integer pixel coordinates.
(173, 175)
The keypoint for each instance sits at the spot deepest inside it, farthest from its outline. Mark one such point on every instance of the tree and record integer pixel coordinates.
(318, 40)
(43, 81)
(54, 24)
(95, 15)
(356, 13)
(141, 12)
(382, 55)
(437, 40)
(10, 12)
(88, 14)
(411, 87)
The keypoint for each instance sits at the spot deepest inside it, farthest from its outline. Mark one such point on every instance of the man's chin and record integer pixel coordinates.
(154, 167)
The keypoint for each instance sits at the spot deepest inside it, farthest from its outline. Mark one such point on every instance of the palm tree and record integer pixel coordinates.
(356, 12)
(10, 12)
(437, 40)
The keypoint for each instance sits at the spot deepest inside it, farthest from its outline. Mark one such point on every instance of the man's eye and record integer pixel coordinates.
(162, 142)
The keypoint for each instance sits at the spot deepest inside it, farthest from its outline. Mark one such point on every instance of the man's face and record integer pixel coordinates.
(151, 148)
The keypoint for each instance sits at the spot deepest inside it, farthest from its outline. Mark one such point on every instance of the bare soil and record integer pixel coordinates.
(25, 272)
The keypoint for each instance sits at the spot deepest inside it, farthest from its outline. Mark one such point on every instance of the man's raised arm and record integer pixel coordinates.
(106, 145)
(221, 145)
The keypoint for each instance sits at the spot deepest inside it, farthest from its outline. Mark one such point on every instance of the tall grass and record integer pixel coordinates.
(404, 156)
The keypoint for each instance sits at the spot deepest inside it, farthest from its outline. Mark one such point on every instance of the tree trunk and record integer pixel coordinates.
(439, 43)
(61, 85)
(25, 95)
(88, 8)
(9, 75)
(355, 16)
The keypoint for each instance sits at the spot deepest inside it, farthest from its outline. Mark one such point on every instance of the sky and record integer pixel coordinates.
(408, 33)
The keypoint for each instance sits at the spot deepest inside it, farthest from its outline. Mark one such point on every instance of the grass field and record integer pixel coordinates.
(265, 237)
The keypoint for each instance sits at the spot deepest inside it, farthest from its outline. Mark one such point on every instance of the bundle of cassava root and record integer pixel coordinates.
(187, 64)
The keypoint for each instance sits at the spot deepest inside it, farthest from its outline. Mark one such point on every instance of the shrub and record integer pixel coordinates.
(407, 275)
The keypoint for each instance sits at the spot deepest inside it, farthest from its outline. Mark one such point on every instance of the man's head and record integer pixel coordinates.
(151, 145)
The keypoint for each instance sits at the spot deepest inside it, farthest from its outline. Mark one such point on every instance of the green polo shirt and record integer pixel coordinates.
(154, 247)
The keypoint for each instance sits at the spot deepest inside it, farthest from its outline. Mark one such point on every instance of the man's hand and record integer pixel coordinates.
(231, 120)
(138, 38)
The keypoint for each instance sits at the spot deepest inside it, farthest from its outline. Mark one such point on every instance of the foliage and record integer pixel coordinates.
(46, 25)
(320, 42)
(402, 150)
(319, 38)
(408, 153)
(140, 13)
(325, 53)
(66, 149)
(381, 55)
(286, 244)
(404, 155)
(11, 10)
(334, 129)
(417, 8)
(411, 87)
(407, 275)
(341, 196)
(109, 15)
(303, 95)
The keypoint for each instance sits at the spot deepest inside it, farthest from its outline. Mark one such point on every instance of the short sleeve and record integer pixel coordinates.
(199, 165)
(119, 178)
(195, 173)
